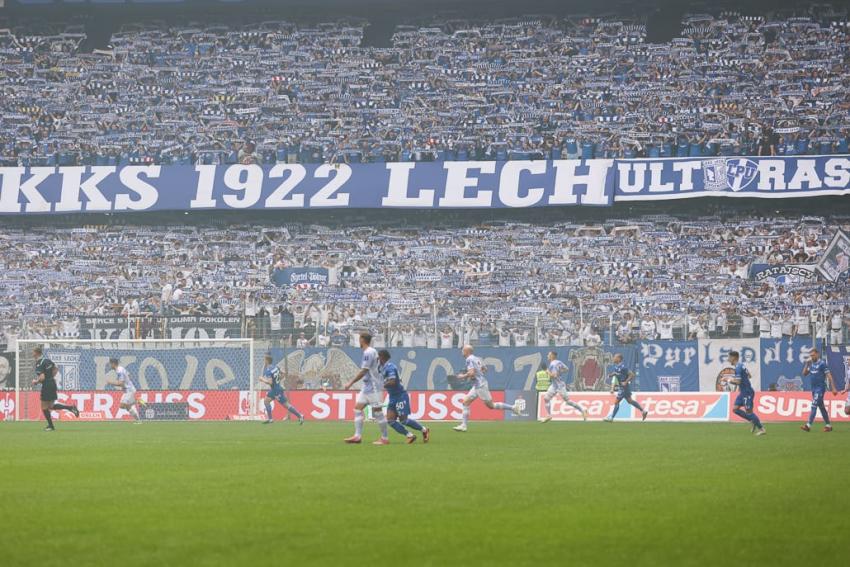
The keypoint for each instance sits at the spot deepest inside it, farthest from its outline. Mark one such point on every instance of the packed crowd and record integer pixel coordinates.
(541, 87)
(505, 283)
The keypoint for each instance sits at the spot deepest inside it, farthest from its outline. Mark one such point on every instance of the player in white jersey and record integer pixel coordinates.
(122, 380)
(846, 390)
(558, 387)
(475, 370)
(371, 393)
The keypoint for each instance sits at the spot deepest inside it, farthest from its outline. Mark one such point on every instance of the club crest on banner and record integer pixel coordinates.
(726, 374)
(740, 173)
(733, 173)
(589, 365)
(68, 364)
(670, 383)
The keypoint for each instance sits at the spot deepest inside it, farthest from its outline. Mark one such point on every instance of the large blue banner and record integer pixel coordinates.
(196, 368)
(412, 185)
(433, 369)
(665, 366)
(669, 366)
(423, 185)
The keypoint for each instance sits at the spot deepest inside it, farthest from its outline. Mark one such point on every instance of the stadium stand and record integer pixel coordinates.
(277, 91)
(505, 283)
(533, 88)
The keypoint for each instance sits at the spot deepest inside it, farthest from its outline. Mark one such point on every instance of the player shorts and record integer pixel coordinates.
(277, 393)
(128, 398)
(371, 399)
(744, 400)
(48, 393)
(817, 396)
(482, 392)
(400, 404)
(555, 389)
(623, 393)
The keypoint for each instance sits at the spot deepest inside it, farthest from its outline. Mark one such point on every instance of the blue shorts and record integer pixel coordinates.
(817, 396)
(624, 393)
(277, 393)
(745, 400)
(400, 404)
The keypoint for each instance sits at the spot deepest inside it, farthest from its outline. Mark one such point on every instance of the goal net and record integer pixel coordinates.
(197, 379)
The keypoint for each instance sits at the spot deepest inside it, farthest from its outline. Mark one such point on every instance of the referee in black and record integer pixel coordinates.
(45, 374)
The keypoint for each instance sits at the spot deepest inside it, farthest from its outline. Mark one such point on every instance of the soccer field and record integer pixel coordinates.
(502, 494)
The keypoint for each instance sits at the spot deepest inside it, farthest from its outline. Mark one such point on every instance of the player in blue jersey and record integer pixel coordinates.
(398, 409)
(621, 379)
(271, 376)
(743, 405)
(821, 378)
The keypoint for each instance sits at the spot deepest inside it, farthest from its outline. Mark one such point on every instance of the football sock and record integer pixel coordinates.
(382, 423)
(294, 411)
(399, 427)
(358, 423)
(502, 406)
(269, 411)
(751, 417)
(135, 413)
(616, 409)
(413, 424)
(574, 405)
(62, 407)
(823, 413)
(637, 405)
(548, 406)
(465, 420)
(48, 417)
(812, 414)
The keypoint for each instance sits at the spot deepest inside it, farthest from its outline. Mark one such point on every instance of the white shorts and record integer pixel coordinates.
(374, 399)
(482, 392)
(128, 398)
(555, 389)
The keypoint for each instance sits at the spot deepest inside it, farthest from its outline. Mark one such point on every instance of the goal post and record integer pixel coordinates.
(177, 379)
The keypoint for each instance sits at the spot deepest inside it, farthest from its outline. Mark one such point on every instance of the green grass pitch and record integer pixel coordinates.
(204, 494)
